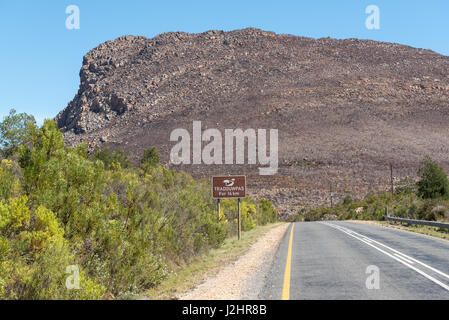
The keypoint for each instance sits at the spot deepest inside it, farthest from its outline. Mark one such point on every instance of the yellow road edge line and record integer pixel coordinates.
(286, 286)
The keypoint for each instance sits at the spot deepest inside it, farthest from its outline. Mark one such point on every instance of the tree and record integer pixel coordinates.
(150, 159)
(433, 181)
(14, 131)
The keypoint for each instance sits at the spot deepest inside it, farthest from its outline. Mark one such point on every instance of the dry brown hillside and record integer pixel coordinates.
(344, 108)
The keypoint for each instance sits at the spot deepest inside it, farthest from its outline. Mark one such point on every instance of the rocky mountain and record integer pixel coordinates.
(344, 109)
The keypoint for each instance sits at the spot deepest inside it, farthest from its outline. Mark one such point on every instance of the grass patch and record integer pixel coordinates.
(304, 163)
(429, 231)
(187, 276)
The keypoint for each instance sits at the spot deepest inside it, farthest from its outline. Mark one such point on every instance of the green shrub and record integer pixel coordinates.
(150, 159)
(248, 212)
(125, 229)
(266, 213)
(9, 179)
(433, 181)
(113, 159)
(347, 200)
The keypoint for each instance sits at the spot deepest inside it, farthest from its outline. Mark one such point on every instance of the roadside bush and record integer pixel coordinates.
(433, 181)
(150, 159)
(266, 213)
(126, 229)
(112, 159)
(403, 205)
(347, 200)
(47, 277)
(9, 179)
(248, 212)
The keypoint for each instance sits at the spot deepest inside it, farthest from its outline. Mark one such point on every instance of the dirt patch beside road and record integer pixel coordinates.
(244, 278)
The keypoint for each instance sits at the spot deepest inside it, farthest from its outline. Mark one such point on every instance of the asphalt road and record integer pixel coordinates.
(344, 260)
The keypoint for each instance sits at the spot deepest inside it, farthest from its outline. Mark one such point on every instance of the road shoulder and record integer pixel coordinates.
(243, 278)
(184, 283)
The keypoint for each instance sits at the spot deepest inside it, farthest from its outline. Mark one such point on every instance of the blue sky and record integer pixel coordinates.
(40, 58)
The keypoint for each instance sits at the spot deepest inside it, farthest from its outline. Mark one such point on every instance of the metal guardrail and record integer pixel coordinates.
(443, 225)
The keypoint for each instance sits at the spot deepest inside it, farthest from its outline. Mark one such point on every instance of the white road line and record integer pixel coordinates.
(402, 260)
(398, 252)
(401, 257)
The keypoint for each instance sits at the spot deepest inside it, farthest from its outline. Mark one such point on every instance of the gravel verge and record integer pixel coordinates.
(244, 278)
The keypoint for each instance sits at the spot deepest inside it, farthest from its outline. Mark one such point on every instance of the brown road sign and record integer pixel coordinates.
(229, 187)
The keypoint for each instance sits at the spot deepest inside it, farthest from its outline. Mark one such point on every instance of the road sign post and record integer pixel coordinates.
(230, 187)
(239, 223)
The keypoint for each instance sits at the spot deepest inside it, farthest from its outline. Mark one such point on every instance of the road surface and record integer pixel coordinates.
(345, 260)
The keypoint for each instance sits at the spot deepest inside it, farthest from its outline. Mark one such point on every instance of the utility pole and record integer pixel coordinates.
(332, 195)
(239, 223)
(391, 178)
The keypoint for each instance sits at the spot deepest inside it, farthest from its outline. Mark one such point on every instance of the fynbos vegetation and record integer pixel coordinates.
(125, 228)
(427, 199)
